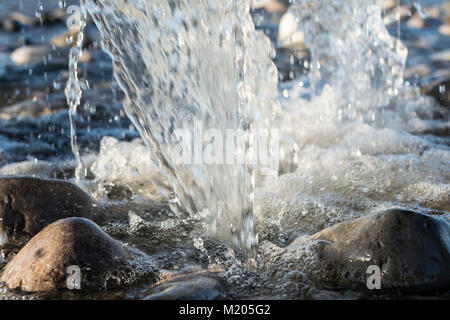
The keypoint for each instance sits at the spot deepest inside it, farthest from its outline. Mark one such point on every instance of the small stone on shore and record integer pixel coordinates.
(43, 264)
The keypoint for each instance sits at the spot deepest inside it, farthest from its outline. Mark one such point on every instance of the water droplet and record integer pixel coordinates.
(56, 85)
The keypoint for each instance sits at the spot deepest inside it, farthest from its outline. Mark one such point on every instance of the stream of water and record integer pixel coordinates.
(181, 63)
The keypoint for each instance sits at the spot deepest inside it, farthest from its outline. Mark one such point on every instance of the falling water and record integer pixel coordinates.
(73, 91)
(183, 63)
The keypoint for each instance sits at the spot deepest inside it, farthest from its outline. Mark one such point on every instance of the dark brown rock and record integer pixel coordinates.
(411, 249)
(440, 91)
(27, 205)
(43, 263)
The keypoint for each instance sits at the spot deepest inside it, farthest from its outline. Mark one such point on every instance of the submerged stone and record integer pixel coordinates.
(43, 264)
(440, 91)
(191, 287)
(411, 249)
(27, 205)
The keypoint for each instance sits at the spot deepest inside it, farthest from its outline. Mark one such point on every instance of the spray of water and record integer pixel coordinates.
(352, 52)
(180, 62)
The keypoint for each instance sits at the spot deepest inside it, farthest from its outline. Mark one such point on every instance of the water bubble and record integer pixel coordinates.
(56, 85)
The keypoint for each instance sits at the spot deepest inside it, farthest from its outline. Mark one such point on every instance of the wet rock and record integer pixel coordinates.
(191, 287)
(271, 6)
(289, 35)
(411, 249)
(441, 56)
(388, 4)
(45, 57)
(54, 16)
(27, 108)
(421, 70)
(40, 169)
(27, 205)
(402, 12)
(4, 61)
(433, 12)
(30, 54)
(24, 19)
(16, 21)
(440, 91)
(67, 39)
(92, 33)
(291, 63)
(445, 29)
(10, 25)
(319, 294)
(45, 11)
(416, 21)
(43, 263)
(44, 35)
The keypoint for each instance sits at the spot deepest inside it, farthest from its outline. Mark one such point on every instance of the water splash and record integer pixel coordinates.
(179, 62)
(351, 52)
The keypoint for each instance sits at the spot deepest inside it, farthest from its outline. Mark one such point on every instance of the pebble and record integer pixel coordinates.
(66, 39)
(441, 56)
(445, 29)
(45, 54)
(288, 34)
(30, 54)
(388, 4)
(271, 6)
(440, 90)
(416, 22)
(43, 264)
